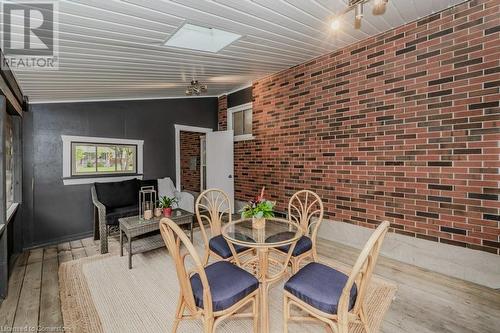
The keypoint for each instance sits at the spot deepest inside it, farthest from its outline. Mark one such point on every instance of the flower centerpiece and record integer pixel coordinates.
(258, 209)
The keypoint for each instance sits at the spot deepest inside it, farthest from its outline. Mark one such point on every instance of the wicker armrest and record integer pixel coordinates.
(101, 212)
(96, 201)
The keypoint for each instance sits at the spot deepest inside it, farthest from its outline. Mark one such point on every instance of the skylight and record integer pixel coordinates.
(194, 37)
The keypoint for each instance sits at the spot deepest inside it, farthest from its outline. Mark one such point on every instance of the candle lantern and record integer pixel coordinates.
(147, 202)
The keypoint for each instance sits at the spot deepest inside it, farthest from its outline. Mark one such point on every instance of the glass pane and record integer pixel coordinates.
(238, 123)
(106, 159)
(125, 158)
(248, 121)
(84, 158)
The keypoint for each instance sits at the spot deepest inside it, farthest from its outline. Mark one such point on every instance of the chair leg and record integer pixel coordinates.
(178, 313)
(295, 265)
(286, 310)
(256, 314)
(364, 319)
(208, 325)
(207, 256)
(334, 328)
(103, 233)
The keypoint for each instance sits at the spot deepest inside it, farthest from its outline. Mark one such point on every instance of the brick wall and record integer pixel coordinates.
(190, 148)
(222, 113)
(402, 126)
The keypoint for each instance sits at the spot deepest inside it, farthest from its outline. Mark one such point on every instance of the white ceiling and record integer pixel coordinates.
(113, 49)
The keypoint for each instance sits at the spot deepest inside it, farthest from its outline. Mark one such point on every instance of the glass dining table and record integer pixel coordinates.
(274, 233)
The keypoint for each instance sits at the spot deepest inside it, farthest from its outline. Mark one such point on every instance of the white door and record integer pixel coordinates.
(220, 164)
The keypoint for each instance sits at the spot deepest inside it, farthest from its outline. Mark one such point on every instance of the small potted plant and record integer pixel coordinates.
(166, 204)
(258, 209)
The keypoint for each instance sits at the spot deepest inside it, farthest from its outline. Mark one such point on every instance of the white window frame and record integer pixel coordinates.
(239, 108)
(68, 179)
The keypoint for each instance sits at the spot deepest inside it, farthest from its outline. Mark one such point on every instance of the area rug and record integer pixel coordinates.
(100, 294)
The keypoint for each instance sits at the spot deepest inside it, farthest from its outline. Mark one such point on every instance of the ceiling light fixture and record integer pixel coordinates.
(196, 88)
(335, 24)
(379, 7)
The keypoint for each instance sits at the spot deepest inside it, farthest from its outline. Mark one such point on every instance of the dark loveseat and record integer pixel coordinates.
(113, 201)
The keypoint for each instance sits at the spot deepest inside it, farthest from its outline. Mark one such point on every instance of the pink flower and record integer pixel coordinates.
(261, 196)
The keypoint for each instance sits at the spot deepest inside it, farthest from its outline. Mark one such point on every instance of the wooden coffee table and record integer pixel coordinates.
(133, 228)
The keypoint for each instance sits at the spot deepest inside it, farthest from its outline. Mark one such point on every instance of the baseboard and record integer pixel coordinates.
(471, 265)
(59, 240)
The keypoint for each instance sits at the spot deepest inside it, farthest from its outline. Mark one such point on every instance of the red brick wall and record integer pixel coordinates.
(190, 147)
(402, 126)
(222, 113)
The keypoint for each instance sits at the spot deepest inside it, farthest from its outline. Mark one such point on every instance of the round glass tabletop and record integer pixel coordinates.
(274, 233)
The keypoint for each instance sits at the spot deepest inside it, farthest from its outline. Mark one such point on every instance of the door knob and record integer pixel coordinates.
(230, 176)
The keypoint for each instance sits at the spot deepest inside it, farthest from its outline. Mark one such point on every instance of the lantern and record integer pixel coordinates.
(147, 202)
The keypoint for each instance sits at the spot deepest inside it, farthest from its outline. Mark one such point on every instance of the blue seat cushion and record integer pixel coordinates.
(320, 286)
(219, 245)
(303, 245)
(228, 285)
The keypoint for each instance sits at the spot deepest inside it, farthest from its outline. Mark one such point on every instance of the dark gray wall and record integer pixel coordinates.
(53, 212)
(240, 97)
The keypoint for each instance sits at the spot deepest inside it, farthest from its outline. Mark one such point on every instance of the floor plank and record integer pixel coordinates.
(64, 247)
(50, 305)
(9, 305)
(90, 247)
(78, 253)
(64, 256)
(29, 299)
(76, 244)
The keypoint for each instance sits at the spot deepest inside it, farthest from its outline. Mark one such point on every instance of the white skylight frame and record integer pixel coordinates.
(194, 37)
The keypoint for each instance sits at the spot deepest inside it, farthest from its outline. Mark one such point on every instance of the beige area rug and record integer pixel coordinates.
(100, 294)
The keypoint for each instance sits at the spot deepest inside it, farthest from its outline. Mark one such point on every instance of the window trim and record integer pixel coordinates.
(238, 108)
(69, 179)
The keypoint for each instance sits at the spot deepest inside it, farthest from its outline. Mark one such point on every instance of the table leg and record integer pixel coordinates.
(264, 306)
(129, 252)
(192, 226)
(121, 242)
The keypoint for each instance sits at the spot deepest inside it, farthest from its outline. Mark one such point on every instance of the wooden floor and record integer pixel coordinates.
(425, 301)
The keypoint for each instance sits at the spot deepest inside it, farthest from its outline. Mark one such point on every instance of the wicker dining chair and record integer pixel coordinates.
(330, 296)
(305, 208)
(211, 293)
(213, 207)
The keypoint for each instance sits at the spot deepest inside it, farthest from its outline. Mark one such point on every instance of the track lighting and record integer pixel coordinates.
(358, 15)
(358, 11)
(379, 6)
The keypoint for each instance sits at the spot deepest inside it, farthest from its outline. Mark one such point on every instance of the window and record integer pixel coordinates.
(239, 119)
(9, 163)
(90, 159)
(99, 159)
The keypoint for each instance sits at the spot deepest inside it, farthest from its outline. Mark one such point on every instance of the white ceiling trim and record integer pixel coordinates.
(115, 99)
